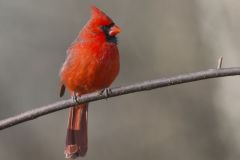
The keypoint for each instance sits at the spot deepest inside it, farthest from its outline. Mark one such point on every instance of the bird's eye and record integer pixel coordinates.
(104, 28)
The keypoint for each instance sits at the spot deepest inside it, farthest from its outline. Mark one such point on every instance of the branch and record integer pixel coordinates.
(143, 86)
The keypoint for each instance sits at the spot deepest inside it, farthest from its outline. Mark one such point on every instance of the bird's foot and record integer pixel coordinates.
(75, 98)
(106, 92)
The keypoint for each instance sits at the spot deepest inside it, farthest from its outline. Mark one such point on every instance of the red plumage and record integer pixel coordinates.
(92, 64)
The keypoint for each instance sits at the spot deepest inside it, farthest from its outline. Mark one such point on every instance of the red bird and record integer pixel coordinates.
(92, 64)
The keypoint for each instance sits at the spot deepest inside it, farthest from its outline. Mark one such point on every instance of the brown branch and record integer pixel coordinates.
(143, 86)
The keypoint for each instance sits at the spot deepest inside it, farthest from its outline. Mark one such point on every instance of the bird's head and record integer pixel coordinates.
(102, 25)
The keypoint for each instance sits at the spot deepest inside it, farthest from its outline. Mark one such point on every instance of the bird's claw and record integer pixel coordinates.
(75, 98)
(106, 92)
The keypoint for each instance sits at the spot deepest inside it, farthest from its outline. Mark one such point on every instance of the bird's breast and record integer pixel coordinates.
(90, 68)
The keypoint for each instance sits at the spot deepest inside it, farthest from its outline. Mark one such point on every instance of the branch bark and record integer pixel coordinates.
(143, 86)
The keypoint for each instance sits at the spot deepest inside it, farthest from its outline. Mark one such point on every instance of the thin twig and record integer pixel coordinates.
(220, 60)
(143, 86)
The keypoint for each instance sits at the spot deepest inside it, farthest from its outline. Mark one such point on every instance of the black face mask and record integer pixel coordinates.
(106, 30)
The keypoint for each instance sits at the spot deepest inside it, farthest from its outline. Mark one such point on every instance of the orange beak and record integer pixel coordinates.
(114, 30)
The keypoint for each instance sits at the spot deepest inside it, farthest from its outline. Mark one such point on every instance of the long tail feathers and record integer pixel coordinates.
(77, 141)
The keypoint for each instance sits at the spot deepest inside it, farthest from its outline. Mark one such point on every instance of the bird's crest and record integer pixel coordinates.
(99, 16)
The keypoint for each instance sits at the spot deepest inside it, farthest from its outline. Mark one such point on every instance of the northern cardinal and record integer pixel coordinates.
(92, 63)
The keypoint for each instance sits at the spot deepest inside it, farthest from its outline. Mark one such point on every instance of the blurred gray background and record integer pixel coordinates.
(194, 121)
